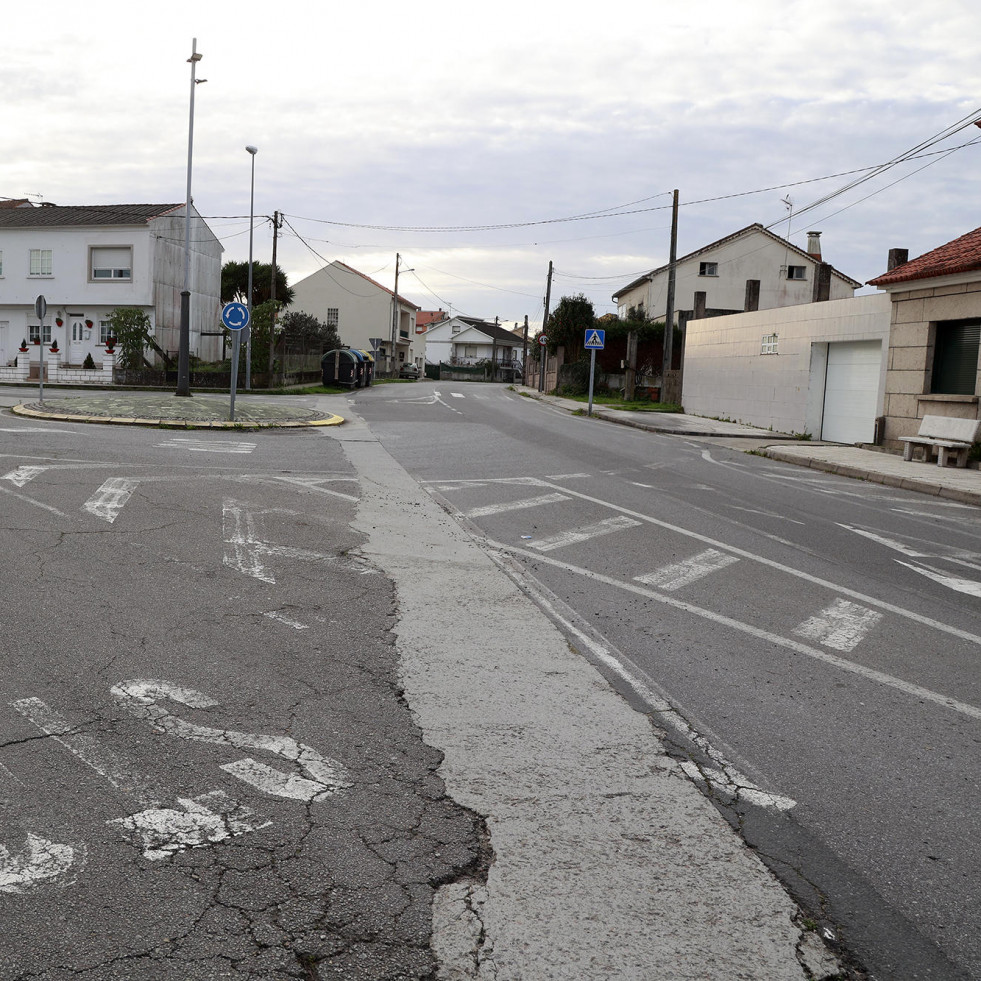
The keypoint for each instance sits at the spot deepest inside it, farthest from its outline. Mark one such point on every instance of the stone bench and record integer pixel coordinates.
(945, 434)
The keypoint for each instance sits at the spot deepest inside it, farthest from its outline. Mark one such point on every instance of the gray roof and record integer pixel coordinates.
(57, 216)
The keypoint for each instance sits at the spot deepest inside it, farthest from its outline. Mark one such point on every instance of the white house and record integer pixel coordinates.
(88, 260)
(752, 269)
(467, 340)
(361, 310)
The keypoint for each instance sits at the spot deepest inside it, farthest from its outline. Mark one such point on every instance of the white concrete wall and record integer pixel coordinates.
(726, 376)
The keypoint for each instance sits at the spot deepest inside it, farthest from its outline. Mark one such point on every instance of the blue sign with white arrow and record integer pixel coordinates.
(595, 339)
(235, 316)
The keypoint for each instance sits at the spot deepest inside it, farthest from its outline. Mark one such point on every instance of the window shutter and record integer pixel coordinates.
(955, 360)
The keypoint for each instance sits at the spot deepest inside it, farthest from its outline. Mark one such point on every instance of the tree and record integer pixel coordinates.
(131, 328)
(235, 283)
(568, 324)
(304, 329)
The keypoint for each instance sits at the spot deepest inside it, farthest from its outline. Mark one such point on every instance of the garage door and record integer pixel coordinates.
(851, 391)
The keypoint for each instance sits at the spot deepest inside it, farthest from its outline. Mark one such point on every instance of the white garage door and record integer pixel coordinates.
(851, 391)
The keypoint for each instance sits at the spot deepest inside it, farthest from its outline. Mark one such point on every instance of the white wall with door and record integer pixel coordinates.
(771, 368)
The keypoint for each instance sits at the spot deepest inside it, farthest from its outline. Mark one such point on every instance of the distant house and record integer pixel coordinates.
(86, 261)
(934, 364)
(362, 310)
(752, 269)
(467, 340)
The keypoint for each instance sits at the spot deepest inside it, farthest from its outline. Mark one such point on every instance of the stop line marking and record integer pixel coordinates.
(207, 446)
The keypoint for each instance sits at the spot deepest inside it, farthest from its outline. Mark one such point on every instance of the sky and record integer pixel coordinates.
(480, 142)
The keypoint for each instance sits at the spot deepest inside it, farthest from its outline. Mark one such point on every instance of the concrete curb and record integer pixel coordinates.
(34, 413)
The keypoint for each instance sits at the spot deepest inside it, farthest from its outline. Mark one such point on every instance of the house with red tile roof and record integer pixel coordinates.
(934, 358)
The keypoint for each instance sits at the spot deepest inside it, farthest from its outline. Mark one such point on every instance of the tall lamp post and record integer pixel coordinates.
(252, 151)
(184, 342)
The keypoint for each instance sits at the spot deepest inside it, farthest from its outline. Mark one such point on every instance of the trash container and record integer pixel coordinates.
(342, 367)
(369, 367)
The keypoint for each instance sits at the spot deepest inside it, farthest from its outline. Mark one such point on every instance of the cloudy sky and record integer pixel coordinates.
(480, 141)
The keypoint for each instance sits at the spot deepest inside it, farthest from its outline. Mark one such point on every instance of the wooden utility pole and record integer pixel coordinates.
(524, 354)
(543, 352)
(272, 296)
(630, 379)
(669, 308)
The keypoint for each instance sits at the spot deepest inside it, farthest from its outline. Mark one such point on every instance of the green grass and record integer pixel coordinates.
(616, 402)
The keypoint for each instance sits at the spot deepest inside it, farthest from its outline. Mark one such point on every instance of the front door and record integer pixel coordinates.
(76, 338)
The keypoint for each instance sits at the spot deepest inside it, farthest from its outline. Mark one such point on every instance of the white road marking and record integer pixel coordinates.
(505, 506)
(110, 498)
(678, 574)
(567, 476)
(869, 674)
(458, 395)
(202, 820)
(766, 514)
(749, 793)
(23, 475)
(310, 483)
(31, 501)
(40, 862)
(882, 540)
(325, 776)
(207, 446)
(39, 429)
(841, 626)
(295, 624)
(969, 586)
(637, 483)
(605, 527)
(730, 778)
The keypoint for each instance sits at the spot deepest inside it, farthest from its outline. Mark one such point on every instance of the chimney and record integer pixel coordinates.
(814, 245)
(897, 257)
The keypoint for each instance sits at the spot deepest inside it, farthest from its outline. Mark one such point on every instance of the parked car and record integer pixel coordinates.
(409, 370)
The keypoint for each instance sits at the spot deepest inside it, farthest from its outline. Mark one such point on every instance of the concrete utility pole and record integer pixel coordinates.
(669, 309)
(630, 377)
(272, 296)
(543, 353)
(395, 316)
(524, 354)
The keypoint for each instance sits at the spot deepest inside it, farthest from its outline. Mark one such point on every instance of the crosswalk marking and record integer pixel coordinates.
(528, 502)
(207, 446)
(458, 395)
(605, 527)
(110, 498)
(23, 475)
(678, 574)
(840, 626)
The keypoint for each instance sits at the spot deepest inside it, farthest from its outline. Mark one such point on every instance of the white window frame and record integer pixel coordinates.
(34, 332)
(708, 269)
(105, 330)
(797, 274)
(115, 274)
(40, 263)
(769, 344)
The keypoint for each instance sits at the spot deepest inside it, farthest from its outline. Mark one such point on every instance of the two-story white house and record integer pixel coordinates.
(88, 260)
(467, 340)
(362, 311)
(752, 269)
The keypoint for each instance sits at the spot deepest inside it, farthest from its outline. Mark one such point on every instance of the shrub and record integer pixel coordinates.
(88, 362)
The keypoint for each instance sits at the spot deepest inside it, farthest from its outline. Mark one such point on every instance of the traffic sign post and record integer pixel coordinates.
(542, 360)
(41, 308)
(595, 341)
(235, 316)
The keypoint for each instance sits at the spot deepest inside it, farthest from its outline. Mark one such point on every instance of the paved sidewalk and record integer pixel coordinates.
(873, 465)
(195, 412)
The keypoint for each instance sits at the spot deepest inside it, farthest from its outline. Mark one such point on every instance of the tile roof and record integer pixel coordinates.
(57, 216)
(961, 255)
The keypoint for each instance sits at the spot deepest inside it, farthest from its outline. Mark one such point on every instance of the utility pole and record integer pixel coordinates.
(543, 353)
(395, 316)
(272, 296)
(524, 354)
(669, 308)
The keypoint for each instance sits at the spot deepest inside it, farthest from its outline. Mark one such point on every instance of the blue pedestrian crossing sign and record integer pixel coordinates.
(595, 339)
(235, 316)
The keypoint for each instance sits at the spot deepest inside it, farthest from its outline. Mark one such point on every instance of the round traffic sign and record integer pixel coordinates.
(235, 316)
(542, 339)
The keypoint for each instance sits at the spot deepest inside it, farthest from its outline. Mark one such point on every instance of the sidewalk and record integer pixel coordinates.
(195, 412)
(872, 465)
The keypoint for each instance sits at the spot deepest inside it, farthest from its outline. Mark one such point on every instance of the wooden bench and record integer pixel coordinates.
(947, 436)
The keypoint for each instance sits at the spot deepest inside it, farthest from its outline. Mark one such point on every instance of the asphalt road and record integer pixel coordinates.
(816, 640)
(207, 769)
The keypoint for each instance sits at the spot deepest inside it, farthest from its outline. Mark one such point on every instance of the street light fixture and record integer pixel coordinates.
(252, 151)
(184, 339)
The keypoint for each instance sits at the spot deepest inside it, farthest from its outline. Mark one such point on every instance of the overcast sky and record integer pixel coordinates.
(397, 127)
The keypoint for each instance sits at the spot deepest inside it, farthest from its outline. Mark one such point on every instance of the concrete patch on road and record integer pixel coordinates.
(607, 858)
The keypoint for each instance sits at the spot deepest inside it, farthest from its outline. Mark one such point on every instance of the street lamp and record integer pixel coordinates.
(184, 340)
(252, 151)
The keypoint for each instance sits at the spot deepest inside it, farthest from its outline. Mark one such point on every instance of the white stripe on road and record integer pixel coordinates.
(840, 626)
(110, 498)
(678, 574)
(207, 446)
(969, 586)
(279, 618)
(528, 502)
(458, 395)
(30, 500)
(605, 527)
(40, 862)
(567, 476)
(23, 475)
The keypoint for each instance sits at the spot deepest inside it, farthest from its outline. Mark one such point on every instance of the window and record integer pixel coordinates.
(1, 265)
(105, 330)
(34, 333)
(796, 272)
(769, 344)
(40, 262)
(111, 263)
(333, 317)
(955, 358)
(455, 329)
(708, 269)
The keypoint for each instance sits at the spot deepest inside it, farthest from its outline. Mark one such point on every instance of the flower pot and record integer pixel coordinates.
(88, 323)
(59, 321)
